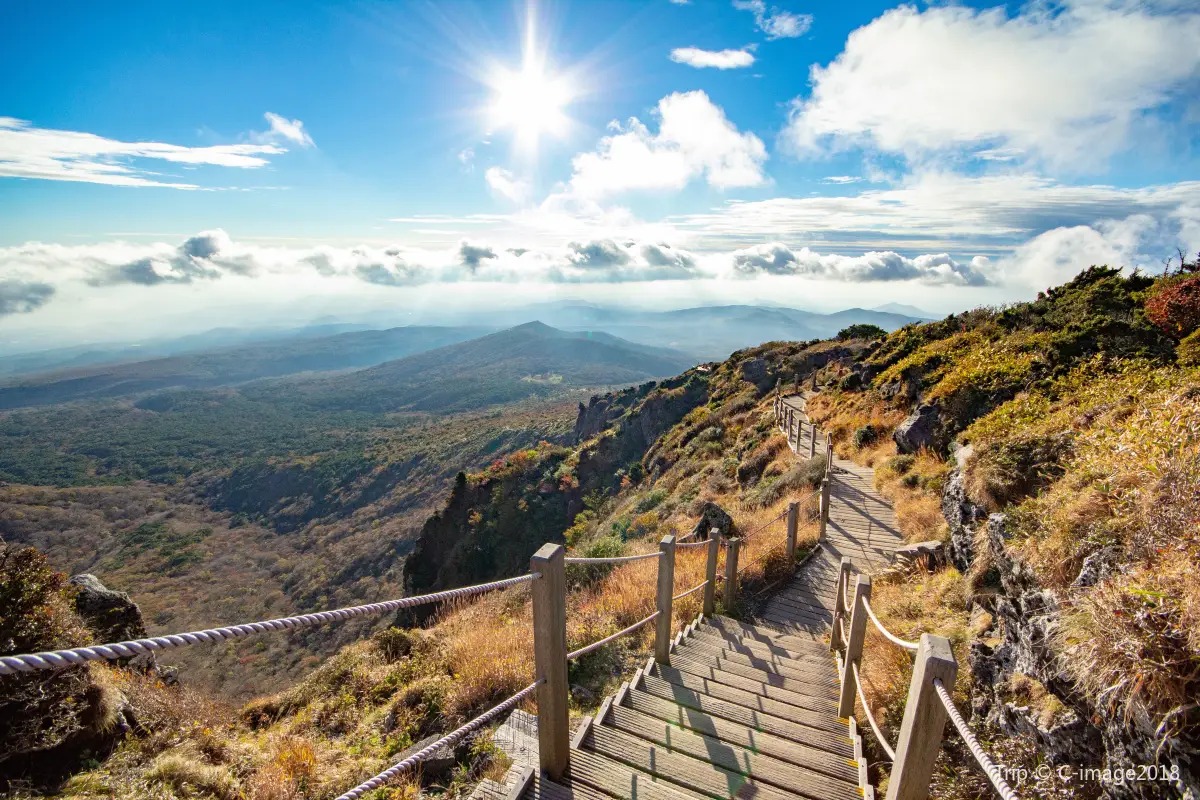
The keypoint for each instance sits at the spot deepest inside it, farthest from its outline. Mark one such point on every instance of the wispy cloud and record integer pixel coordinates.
(841, 179)
(289, 130)
(776, 23)
(716, 59)
(27, 151)
(507, 185)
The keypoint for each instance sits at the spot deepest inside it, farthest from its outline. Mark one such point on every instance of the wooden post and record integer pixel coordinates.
(550, 658)
(824, 506)
(793, 520)
(924, 720)
(731, 559)
(854, 645)
(812, 442)
(839, 602)
(710, 573)
(666, 588)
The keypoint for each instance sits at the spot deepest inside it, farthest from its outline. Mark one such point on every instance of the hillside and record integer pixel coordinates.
(1073, 419)
(231, 366)
(530, 360)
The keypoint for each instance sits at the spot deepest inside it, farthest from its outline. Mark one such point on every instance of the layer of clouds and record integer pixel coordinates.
(936, 269)
(695, 140)
(775, 22)
(27, 151)
(22, 297)
(717, 59)
(1065, 85)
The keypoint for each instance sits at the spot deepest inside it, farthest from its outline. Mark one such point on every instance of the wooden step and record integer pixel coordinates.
(758, 632)
(694, 774)
(821, 670)
(617, 780)
(688, 690)
(542, 788)
(753, 647)
(800, 700)
(738, 734)
(759, 767)
(818, 673)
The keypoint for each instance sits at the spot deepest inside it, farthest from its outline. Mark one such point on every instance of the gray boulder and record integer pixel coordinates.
(922, 429)
(110, 615)
(713, 516)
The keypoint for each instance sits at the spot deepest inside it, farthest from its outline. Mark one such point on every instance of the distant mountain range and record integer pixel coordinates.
(230, 356)
(529, 360)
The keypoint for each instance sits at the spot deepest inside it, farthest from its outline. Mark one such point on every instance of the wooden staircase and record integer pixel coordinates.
(739, 711)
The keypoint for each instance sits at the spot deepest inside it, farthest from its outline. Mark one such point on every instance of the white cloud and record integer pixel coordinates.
(1065, 85)
(506, 184)
(938, 269)
(841, 179)
(775, 22)
(290, 130)
(695, 139)
(47, 154)
(717, 59)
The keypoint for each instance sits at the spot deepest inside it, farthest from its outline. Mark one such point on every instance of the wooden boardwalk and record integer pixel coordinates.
(740, 710)
(862, 526)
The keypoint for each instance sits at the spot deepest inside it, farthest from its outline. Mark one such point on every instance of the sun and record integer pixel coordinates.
(531, 102)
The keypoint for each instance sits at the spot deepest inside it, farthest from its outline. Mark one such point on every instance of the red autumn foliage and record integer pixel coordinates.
(1176, 308)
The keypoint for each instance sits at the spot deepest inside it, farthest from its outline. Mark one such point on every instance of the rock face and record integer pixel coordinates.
(713, 516)
(1027, 618)
(922, 429)
(110, 615)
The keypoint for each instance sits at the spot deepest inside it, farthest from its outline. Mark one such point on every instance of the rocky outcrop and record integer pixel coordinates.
(713, 517)
(1082, 731)
(110, 615)
(921, 431)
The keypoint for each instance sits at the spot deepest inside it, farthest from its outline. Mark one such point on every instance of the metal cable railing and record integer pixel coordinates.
(891, 637)
(611, 559)
(985, 763)
(583, 651)
(60, 659)
(450, 739)
(690, 591)
(862, 698)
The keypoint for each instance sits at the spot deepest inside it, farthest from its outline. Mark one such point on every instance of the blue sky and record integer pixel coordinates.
(328, 157)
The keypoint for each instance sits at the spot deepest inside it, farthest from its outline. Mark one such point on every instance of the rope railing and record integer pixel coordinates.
(862, 698)
(891, 637)
(985, 762)
(583, 651)
(60, 659)
(691, 591)
(690, 545)
(450, 739)
(611, 559)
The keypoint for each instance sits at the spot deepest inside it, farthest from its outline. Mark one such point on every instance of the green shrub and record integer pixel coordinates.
(589, 574)
(861, 331)
(865, 435)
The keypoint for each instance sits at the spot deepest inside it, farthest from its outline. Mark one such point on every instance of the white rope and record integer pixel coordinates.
(887, 748)
(687, 545)
(896, 640)
(449, 739)
(692, 590)
(59, 659)
(612, 560)
(583, 651)
(993, 772)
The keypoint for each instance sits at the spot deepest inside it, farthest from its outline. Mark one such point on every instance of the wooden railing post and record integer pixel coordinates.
(666, 588)
(710, 573)
(731, 566)
(839, 602)
(550, 658)
(812, 442)
(793, 522)
(854, 645)
(924, 720)
(824, 506)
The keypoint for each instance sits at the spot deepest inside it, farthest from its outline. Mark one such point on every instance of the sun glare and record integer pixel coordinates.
(530, 101)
